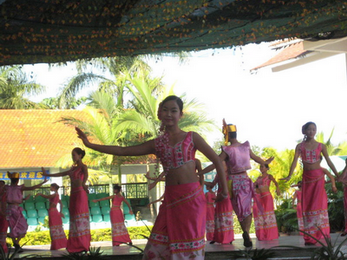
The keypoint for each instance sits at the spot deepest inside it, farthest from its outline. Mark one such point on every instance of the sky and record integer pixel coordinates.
(268, 108)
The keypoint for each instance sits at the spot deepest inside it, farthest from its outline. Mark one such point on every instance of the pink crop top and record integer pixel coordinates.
(173, 157)
(263, 181)
(117, 201)
(239, 158)
(77, 173)
(310, 156)
(54, 200)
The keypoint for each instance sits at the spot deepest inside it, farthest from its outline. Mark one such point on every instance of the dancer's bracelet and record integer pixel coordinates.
(224, 195)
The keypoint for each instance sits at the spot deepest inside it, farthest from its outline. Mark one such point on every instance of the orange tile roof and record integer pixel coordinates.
(290, 52)
(35, 138)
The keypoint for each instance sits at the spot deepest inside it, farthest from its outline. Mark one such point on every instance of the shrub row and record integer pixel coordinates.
(38, 237)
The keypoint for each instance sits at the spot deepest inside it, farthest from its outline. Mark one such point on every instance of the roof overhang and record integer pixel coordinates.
(36, 31)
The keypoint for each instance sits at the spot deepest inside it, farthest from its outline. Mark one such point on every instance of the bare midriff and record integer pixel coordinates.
(239, 173)
(311, 166)
(263, 189)
(182, 175)
(76, 183)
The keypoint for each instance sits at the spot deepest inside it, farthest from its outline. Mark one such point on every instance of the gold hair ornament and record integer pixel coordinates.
(226, 130)
(14, 175)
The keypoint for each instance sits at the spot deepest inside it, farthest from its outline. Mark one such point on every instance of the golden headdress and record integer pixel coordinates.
(228, 129)
(13, 175)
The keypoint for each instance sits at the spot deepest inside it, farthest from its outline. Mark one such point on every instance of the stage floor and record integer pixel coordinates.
(215, 249)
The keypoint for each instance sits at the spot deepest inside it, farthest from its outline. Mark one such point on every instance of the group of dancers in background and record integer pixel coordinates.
(11, 213)
(179, 229)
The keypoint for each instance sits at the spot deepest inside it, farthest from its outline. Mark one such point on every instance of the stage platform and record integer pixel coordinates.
(213, 252)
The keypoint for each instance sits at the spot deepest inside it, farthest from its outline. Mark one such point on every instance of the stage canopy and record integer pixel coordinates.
(35, 31)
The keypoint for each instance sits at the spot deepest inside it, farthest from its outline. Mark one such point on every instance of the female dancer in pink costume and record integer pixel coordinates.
(3, 221)
(210, 212)
(56, 230)
(79, 232)
(237, 157)
(119, 231)
(179, 229)
(223, 217)
(298, 197)
(14, 197)
(314, 197)
(264, 216)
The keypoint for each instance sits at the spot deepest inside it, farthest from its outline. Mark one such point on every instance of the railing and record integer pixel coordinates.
(130, 190)
(135, 190)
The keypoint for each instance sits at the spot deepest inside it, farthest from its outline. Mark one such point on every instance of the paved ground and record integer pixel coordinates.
(106, 247)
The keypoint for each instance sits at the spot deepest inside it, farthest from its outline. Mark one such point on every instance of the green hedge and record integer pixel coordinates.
(39, 237)
(238, 229)
(43, 237)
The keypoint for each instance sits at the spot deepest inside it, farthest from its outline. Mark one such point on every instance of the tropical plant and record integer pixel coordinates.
(279, 168)
(15, 88)
(326, 251)
(108, 77)
(53, 103)
(336, 207)
(111, 125)
(286, 217)
(8, 255)
(100, 124)
(92, 254)
(256, 254)
(340, 149)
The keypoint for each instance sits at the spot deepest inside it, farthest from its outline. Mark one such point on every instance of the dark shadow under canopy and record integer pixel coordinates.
(36, 31)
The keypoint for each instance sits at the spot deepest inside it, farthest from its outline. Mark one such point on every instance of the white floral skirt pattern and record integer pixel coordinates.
(264, 217)
(79, 233)
(314, 206)
(56, 230)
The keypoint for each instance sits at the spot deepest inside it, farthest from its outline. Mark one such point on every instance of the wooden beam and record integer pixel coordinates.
(333, 45)
(303, 61)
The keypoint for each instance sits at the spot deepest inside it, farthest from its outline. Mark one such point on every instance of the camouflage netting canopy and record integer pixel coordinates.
(35, 31)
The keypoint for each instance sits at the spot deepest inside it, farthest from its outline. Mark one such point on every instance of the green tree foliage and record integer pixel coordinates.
(53, 103)
(16, 88)
(339, 149)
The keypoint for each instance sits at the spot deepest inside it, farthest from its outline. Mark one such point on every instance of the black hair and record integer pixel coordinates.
(14, 180)
(79, 151)
(305, 126)
(117, 187)
(56, 186)
(232, 135)
(175, 98)
(2, 181)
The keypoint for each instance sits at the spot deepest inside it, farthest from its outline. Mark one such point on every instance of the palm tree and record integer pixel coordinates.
(339, 149)
(101, 120)
(110, 125)
(15, 89)
(143, 117)
(109, 77)
(53, 103)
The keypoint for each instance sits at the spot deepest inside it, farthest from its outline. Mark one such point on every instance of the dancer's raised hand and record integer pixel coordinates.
(81, 135)
(269, 160)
